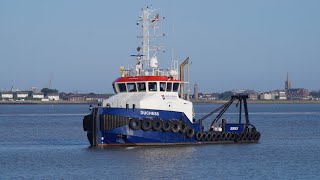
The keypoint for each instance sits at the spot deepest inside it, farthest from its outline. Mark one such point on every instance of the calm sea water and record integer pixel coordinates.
(47, 142)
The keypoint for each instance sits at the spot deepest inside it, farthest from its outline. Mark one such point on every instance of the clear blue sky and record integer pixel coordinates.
(80, 45)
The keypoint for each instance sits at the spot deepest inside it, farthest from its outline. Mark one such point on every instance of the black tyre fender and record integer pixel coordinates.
(233, 137)
(218, 137)
(242, 136)
(166, 126)
(84, 122)
(223, 136)
(228, 136)
(190, 132)
(204, 136)
(237, 137)
(213, 136)
(199, 136)
(251, 135)
(135, 124)
(247, 135)
(258, 136)
(209, 136)
(183, 127)
(157, 125)
(146, 124)
(175, 126)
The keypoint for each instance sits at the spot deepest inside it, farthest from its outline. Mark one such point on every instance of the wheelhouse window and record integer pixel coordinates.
(122, 87)
(114, 88)
(169, 87)
(162, 86)
(142, 87)
(152, 86)
(132, 87)
(175, 87)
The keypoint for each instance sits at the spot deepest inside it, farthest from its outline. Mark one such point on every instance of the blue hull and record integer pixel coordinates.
(113, 126)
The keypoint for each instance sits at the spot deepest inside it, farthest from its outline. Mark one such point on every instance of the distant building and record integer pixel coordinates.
(253, 96)
(265, 96)
(282, 95)
(209, 96)
(53, 96)
(22, 94)
(96, 97)
(297, 94)
(7, 95)
(76, 97)
(37, 95)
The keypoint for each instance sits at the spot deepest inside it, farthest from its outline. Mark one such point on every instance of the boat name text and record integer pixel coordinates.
(147, 113)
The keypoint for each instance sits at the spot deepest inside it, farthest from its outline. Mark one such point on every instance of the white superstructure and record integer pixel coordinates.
(148, 86)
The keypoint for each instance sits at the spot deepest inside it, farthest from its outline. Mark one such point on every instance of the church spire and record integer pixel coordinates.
(287, 83)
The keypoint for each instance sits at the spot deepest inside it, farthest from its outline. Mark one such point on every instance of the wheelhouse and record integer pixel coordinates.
(145, 84)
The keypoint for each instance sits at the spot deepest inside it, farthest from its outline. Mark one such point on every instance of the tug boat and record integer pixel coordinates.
(150, 106)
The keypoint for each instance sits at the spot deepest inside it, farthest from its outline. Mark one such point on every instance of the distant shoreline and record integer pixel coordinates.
(259, 102)
(194, 101)
(46, 102)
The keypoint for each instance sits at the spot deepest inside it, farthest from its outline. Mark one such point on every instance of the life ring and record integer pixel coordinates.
(190, 132)
(199, 136)
(157, 125)
(183, 127)
(175, 126)
(166, 126)
(135, 124)
(146, 124)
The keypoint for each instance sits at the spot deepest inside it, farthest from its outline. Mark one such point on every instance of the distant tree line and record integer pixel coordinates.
(315, 94)
(226, 95)
(47, 91)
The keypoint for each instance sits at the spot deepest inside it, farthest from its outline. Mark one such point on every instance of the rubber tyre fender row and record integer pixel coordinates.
(135, 124)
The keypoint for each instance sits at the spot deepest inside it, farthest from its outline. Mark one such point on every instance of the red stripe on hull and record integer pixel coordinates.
(145, 78)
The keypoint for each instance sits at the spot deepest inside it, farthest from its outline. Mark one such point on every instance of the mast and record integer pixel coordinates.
(149, 19)
(146, 35)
